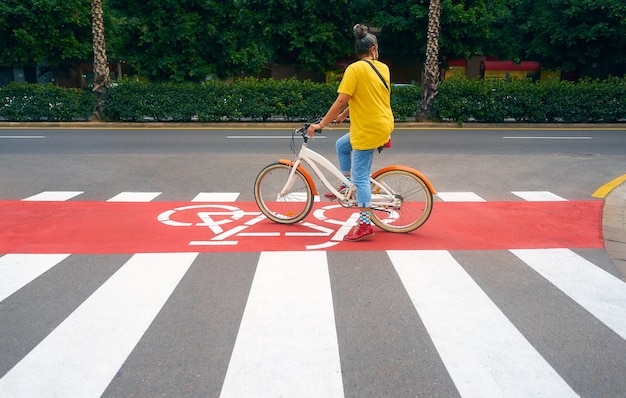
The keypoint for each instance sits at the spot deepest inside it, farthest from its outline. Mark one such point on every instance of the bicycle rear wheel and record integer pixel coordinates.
(416, 201)
(289, 208)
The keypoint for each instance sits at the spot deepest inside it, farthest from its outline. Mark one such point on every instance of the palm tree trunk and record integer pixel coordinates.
(102, 80)
(431, 68)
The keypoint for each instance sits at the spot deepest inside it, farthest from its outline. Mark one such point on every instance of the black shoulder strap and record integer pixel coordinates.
(378, 73)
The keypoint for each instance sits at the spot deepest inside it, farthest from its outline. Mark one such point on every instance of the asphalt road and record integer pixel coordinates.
(350, 323)
(494, 162)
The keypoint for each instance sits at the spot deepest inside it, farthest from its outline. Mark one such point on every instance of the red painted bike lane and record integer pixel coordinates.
(106, 227)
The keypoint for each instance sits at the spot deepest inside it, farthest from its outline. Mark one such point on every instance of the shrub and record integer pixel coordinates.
(459, 100)
(44, 102)
(587, 101)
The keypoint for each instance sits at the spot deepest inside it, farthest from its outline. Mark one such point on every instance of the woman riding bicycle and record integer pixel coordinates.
(364, 95)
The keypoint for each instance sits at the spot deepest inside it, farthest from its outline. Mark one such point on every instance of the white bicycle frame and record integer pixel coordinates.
(313, 159)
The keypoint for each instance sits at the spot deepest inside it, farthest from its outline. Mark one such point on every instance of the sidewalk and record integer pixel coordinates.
(614, 227)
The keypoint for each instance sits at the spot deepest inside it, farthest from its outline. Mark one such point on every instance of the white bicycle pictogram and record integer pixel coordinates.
(227, 222)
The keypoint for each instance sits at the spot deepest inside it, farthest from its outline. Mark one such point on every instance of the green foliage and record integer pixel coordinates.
(405, 101)
(244, 100)
(564, 34)
(213, 101)
(460, 100)
(169, 39)
(465, 26)
(555, 101)
(57, 32)
(186, 40)
(302, 32)
(37, 102)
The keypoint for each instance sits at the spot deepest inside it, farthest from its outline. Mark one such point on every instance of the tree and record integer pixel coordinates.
(170, 39)
(566, 34)
(102, 80)
(431, 67)
(465, 26)
(54, 32)
(301, 32)
(190, 39)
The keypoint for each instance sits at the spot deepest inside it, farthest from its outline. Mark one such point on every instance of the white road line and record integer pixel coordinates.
(547, 138)
(22, 137)
(82, 355)
(538, 196)
(485, 355)
(459, 197)
(599, 292)
(213, 243)
(53, 196)
(18, 270)
(265, 137)
(216, 197)
(134, 197)
(287, 343)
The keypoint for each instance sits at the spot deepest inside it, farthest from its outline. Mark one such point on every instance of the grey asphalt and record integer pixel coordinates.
(614, 227)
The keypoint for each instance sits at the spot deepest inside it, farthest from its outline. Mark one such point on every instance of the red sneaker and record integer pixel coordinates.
(359, 232)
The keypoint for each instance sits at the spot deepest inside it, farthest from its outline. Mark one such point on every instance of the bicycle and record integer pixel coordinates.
(402, 198)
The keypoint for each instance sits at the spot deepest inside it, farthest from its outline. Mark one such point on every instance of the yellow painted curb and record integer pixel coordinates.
(605, 189)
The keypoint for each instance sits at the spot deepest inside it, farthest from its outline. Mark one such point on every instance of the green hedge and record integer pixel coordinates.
(459, 100)
(246, 99)
(587, 101)
(44, 102)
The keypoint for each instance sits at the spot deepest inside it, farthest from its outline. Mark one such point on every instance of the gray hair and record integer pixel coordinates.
(364, 40)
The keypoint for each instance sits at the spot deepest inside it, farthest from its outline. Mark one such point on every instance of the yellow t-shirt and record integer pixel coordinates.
(371, 119)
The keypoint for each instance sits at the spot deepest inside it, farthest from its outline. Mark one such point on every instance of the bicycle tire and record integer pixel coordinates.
(416, 197)
(286, 209)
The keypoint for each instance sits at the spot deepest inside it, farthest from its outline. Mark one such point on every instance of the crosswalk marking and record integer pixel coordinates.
(134, 197)
(17, 270)
(81, 356)
(600, 293)
(216, 197)
(459, 197)
(531, 196)
(287, 342)
(53, 196)
(538, 196)
(482, 350)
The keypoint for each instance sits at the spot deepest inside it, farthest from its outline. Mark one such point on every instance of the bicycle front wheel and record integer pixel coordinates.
(290, 207)
(414, 197)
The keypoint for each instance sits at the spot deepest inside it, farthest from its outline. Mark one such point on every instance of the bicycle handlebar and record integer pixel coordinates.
(302, 131)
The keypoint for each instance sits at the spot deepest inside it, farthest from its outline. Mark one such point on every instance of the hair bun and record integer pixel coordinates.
(360, 31)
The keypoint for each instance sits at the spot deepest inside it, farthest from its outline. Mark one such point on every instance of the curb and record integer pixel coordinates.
(614, 227)
(281, 124)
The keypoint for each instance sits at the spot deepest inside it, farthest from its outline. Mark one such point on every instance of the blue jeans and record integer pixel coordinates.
(359, 163)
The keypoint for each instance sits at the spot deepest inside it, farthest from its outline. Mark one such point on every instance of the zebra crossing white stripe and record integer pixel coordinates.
(538, 196)
(459, 197)
(134, 197)
(53, 196)
(531, 196)
(599, 292)
(216, 197)
(485, 355)
(287, 342)
(17, 270)
(82, 355)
